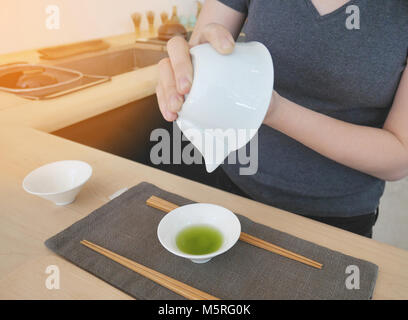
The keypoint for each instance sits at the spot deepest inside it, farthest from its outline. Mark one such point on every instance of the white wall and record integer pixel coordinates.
(23, 22)
(391, 226)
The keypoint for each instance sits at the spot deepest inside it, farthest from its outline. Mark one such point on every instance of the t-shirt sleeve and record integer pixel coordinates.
(239, 5)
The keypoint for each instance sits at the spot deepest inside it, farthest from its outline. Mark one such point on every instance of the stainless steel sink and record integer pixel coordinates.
(114, 62)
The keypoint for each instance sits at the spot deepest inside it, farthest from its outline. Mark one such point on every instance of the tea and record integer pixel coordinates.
(199, 239)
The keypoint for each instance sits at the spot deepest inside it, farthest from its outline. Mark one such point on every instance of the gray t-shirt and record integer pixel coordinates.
(351, 75)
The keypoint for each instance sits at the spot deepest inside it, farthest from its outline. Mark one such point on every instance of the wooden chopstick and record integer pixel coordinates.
(161, 204)
(167, 206)
(165, 281)
(278, 250)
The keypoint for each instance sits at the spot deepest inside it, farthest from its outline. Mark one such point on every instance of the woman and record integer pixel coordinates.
(337, 124)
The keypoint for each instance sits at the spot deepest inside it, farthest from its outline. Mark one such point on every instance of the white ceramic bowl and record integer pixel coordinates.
(59, 182)
(199, 214)
(229, 98)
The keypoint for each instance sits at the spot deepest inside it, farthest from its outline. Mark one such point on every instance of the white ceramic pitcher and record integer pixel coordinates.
(228, 100)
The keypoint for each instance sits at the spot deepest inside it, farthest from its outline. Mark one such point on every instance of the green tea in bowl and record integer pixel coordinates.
(199, 239)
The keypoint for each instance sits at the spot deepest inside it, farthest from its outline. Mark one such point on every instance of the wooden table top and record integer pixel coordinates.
(26, 221)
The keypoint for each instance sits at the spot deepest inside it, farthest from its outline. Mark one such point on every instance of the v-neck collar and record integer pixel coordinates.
(317, 14)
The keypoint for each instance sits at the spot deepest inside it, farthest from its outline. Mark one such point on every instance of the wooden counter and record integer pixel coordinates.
(26, 221)
(54, 114)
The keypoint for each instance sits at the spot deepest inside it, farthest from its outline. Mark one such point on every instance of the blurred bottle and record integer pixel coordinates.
(192, 21)
(174, 17)
(164, 17)
(199, 6)
(150, 21)
(183, 20)
(137, 19)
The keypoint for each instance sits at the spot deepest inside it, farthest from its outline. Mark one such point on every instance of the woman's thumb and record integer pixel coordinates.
(219, 37)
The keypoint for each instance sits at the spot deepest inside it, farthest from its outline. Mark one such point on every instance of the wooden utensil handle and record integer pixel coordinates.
(161, 204)
(165, 281)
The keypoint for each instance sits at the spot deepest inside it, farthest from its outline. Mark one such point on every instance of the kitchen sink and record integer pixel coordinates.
(115, 62)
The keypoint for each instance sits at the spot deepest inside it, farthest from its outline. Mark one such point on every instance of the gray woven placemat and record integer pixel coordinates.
(127, 226)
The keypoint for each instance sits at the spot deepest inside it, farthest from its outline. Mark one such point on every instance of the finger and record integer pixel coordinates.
(173, 100)
(219, 37)
(179, 54)
(167, 115)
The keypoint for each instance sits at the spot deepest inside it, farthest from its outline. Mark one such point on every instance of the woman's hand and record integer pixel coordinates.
(176, 71)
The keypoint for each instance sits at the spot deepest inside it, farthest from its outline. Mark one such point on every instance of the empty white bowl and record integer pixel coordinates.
(199, 214)
(228, 100)
(59, 182)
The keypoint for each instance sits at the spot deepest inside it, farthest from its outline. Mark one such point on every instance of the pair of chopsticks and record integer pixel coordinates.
(161, 279)
(167, 206)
